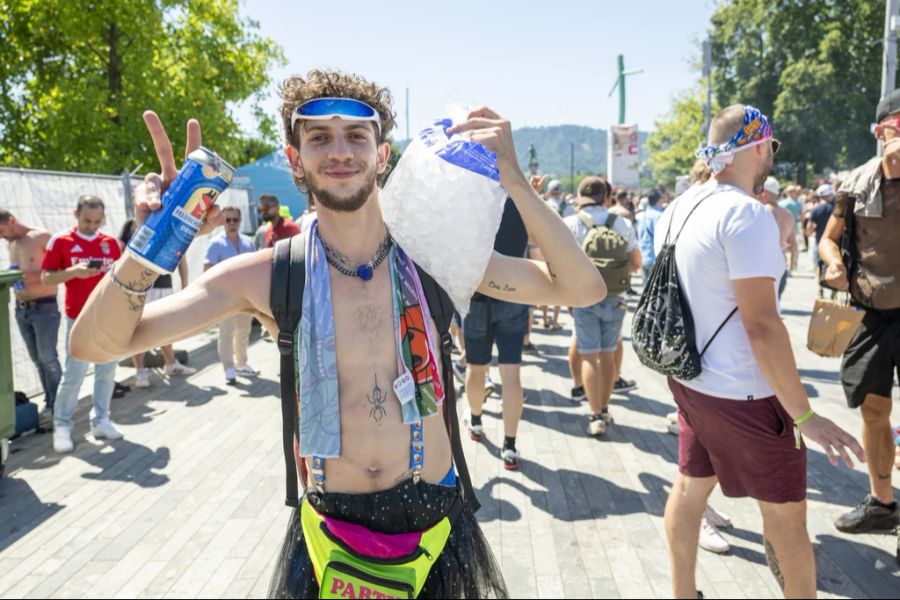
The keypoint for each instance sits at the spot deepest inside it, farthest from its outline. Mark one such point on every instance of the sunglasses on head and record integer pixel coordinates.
(323, 109)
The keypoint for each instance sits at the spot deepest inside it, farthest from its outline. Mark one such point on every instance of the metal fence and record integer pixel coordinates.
(46, 200)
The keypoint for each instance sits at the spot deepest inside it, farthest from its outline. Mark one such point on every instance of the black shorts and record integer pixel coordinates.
(490, 321)
(872, 357)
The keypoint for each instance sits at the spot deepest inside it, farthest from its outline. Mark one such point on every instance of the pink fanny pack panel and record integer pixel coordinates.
(373, 544)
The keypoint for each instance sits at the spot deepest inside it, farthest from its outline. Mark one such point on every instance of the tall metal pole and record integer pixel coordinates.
(572, 167)
(407, 115)
(707, 72)
(889, 74)
(621, 84)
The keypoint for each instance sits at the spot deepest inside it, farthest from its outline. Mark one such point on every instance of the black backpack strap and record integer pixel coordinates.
(728, 318)
(672, 219)
(286, 302)
(441, 308)
(610, 219)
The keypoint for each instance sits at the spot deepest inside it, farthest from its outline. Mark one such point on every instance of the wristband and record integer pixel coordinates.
(125, 288)
(798, 422)
(804, 417)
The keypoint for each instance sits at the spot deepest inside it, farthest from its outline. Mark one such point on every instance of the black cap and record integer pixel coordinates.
(889, 105)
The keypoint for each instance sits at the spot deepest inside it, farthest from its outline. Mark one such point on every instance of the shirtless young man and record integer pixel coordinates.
(787, 229)
(338, 157)
(37, 312)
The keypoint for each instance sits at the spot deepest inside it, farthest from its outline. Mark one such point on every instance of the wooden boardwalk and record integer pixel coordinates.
(190, 503)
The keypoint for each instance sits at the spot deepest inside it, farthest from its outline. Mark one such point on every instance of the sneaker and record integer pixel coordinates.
(711, 540)
(607, 418)
(673, 428)
(596, 425)
(142, 378)
(120, 389)
(230, 376)
(176, 368)
(106, 429)
(529, 348)
(459, 372)
(476, 432)
(672, 417)
(578, 394)
(623, 385)
(510, 459)
(869, 514)
(489, 386)
(62, 439)
(246, 371)
(716, 519)
(46, 414)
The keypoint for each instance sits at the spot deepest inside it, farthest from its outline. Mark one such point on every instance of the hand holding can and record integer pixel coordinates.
(173, 207)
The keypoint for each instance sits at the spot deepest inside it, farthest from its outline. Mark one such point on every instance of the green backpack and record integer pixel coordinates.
(608, 250)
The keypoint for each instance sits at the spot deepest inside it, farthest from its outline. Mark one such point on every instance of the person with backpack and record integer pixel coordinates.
(370, 419)
(742, 409)
(610, 243)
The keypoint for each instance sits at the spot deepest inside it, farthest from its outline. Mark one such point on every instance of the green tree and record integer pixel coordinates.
(814, 66)
(676, 137)
(76, 75)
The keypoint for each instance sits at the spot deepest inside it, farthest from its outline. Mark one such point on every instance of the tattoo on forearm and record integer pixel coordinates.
(505, 287)
(772, 560)
(377, 399)
(143, 282)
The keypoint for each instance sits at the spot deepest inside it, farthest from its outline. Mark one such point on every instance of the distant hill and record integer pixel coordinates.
(553, 146)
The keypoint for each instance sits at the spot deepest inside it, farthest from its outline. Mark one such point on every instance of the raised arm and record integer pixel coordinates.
(114, 323)
(568, 277)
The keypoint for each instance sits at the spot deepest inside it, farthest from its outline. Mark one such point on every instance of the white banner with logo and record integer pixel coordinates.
(623, 160)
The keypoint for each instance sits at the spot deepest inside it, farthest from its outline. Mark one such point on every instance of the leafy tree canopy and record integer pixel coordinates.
(76, 75)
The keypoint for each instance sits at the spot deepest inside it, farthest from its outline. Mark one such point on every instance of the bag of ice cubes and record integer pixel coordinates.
(443, 205)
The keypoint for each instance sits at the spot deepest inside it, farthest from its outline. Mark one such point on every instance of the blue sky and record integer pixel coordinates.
(537, 63)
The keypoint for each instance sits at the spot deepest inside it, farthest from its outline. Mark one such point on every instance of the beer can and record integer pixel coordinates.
(19, 284)
(163, 239)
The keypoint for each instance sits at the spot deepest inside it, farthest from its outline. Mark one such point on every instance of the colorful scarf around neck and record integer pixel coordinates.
(320, 418)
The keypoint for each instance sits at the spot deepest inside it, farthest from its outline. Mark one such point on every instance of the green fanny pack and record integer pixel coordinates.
(350, 561)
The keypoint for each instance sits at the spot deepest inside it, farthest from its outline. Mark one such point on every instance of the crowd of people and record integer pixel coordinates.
(729, 234)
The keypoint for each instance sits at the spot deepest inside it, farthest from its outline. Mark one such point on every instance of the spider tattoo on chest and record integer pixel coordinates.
(377, 399)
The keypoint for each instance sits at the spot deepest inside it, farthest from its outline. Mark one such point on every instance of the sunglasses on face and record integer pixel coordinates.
(238, 220)
(892, 124)
(776, 146)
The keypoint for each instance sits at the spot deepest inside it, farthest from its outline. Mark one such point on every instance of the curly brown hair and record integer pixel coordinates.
(295, 90)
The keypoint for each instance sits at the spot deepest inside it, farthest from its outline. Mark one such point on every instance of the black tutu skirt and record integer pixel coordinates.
(465, 569)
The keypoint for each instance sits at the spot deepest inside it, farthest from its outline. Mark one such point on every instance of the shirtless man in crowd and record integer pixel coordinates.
(336, 127)
(37, 313)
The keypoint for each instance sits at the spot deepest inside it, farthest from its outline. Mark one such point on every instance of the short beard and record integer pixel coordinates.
(351, 203)
(763, 174)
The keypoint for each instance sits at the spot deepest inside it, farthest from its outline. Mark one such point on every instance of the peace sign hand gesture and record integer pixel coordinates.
(148, 195)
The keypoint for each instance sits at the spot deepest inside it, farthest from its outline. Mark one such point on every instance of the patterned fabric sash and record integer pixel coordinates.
(320, 418)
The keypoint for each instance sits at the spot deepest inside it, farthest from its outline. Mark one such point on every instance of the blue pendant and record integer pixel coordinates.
(365, 272)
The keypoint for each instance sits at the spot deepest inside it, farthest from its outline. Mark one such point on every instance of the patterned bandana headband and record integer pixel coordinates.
(755, 131)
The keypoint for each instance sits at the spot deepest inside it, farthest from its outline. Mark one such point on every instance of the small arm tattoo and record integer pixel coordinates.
(505, 287)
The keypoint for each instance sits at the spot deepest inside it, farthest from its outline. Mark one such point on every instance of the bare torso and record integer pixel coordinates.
(28, 253)
(785, 222)
(375, 442)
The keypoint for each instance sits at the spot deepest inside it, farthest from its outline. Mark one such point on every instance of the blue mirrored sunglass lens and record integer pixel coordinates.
(340, 106)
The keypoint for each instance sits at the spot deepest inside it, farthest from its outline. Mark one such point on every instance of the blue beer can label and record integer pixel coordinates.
(19, 284)
(163, 239)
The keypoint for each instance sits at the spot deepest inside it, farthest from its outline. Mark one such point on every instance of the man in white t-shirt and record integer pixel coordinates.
(738, 417)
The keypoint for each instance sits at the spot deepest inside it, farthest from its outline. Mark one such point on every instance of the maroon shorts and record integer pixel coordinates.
(748, 445)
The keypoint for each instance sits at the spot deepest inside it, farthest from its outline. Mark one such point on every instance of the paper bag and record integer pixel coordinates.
(832, 326)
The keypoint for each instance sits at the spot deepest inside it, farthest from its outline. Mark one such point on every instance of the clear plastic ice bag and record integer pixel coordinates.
(443, 205)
